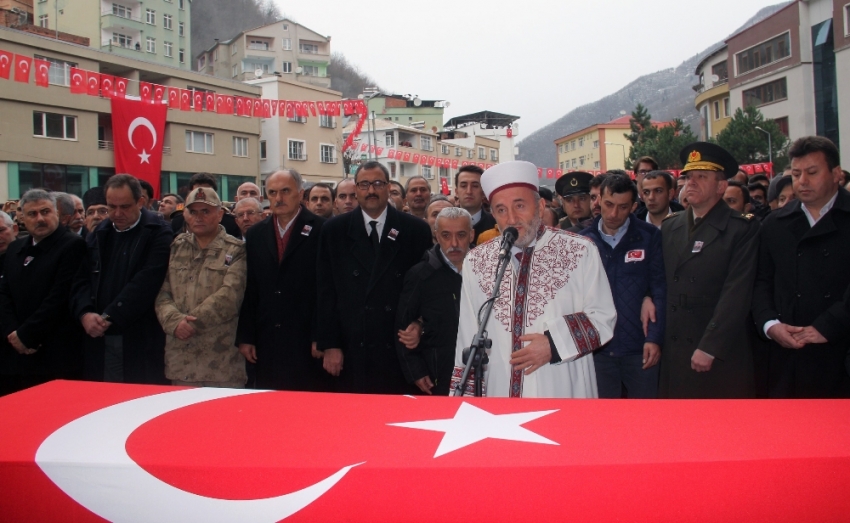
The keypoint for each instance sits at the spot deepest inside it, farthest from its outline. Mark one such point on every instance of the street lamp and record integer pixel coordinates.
(624, 151)
(368, 94)
(769, 148)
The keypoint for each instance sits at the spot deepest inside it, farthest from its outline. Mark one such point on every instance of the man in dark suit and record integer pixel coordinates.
(800, 294)
(657, 192)
(470, 197)
(710, 254)
(277, 324)
(113, 294)
(41, 341)
(363, 257)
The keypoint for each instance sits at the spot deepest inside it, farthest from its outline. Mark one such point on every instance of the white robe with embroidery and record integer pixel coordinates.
(568, 295)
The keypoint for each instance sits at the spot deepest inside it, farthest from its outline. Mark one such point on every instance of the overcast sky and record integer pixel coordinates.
(533, 58)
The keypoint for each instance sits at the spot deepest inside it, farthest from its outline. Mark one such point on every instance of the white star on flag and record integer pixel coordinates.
(144, 156)
(471, 425)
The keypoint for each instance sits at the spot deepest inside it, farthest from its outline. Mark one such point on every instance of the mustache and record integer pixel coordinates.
(455, 250)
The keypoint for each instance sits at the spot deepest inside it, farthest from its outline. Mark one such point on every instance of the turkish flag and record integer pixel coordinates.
(759, 167)
(364, 147)
(379, 151)
(360, 107)
(92, 83)
(391, 154)
(559, 173)
(748, 169)
(240, 105)
(267, 109)
(138, 130)
(219, 104)
(107, 85)
(439, 162)
(185, 100)
(6, 59)
(228, 104)
(209, 102)
(173, 98)
(371, 148)
(312, 107)
(290, 109)
(510, 133)
(23, 65)
(432, 160)
(347, 108)
(550, 173)
(539, 171)
(257, 104)
(198, 101)
(42, 72)
(454, 164)
(464, 164)
(423, 159)
(406, 157)
(274, 104)
(120, 87)
(444, 186)
(146, 92)
(158, 93)
(321, 108)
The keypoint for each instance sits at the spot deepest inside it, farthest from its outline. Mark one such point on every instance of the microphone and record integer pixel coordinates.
(509, 236)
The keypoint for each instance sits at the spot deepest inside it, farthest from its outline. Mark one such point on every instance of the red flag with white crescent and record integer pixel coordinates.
(510, 133)
(559, 173)
(23, 65)
(454, 164)
(6, 59)
(415, 158)
(209, 102)
(158, 93)
(274, 104)
(146, 92)
(379, 151)
(219, 104)
(257, 105)
(138, 130)
(228, 104)
(312, 107)
(42, 72)
(320, 106)
(406, 157)
(360, 107)
(267, 109)
(185, 100)
(173, 98)
(540, 172)
(120, 87)
(364, 147)
(371, 149)
(92, 83)
(431, 160)
(290, 109)
(347, 108)
(197, 101)
(107, 85)
(550, 173)
(444, 186)
(391, 154)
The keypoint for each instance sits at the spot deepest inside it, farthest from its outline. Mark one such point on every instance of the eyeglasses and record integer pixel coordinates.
(377, 184)
(245, 214)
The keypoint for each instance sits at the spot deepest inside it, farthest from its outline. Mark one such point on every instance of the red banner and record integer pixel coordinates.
(42, 73)
(23, 65)
(120, 87)
(107, 85)
(146, 92)
(173, 98)
(6, 59)
(444, 186)
(185, 100)
(138, 130)
(92, 83)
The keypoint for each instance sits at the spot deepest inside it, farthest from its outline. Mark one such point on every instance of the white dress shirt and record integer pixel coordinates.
(382, 220)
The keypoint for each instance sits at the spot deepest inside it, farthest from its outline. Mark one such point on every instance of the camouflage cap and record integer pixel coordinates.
(203, 195)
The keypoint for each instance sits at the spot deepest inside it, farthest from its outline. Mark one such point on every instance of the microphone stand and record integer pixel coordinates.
(475, 357)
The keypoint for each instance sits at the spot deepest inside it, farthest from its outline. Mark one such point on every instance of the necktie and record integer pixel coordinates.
(374, 235)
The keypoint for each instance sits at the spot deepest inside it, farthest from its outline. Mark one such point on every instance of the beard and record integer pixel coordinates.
(529, 235)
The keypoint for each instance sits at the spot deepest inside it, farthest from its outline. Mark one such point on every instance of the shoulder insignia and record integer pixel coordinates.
(749, 216)
(672, 214)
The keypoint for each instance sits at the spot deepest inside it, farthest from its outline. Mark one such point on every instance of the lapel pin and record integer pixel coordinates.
(306, 230)
(393, 234)
(697, 247)
(228, 259)
(27, 260)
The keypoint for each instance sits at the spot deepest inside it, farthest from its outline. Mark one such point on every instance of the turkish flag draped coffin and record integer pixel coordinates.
(138, 129)
(77, 451)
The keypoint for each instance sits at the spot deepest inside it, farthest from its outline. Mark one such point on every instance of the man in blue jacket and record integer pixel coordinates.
(631, 253)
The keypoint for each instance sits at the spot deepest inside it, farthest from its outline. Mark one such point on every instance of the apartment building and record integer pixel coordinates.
(712, 100)
(496, 126)
(62, 141)
(409, 110)
(282, 48)
(157, 31)
(309, 145)
(599, 147)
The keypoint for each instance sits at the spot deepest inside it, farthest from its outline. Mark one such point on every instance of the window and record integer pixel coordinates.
(166, 21)
(287, 44)
(308, 48)
(167, 48)
(327, 153)
(494, 156)
(581, 142)
(298, 119)
(262, 149)
(596, 165)
(202, 62)
(150, 44)
(560, 148)
(258, 45)
(596, 144)
(573, 145)
(425, 141)
(233, 49)
(122, 40)
(240, 147)
(581, 160)
(847, 20)
(52, 125)
(726, 108)
(482, 155)
(310, 70)
(181, 28)
(150, 16)
(469, 154)
(444, 149)
(783, 124)
(574, 162)
(389, 139)
(327, 121)
(181, 55)
(766, 93)
(234, 71)
(122, 11)
(296, 150)
(180, 4)
(285, 27)
(393, 173)
(42, 21)
(764, 53)
(458, 151)
(59, 72)
(717, 110)
(286, 67)
(561, 165)
(721, 71)
(427, 173)
(197, 142)
(215, 55)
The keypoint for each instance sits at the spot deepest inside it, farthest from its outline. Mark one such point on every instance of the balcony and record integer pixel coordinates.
(320, 81)
(105, 145)
(112, 21)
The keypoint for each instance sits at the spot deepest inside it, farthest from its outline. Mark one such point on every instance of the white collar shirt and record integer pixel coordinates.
(825, 209)
(382, 220)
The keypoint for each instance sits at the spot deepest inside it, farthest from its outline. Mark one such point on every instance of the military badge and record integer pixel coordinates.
(697, 247)
(392, 235)
(306, 230)
(228, 259)
(27, 260)
(695, 156)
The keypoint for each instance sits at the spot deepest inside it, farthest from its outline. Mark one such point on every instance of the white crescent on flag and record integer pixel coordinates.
(24, 65)
(144, 122)
(107, 84)
(43, 69)
(93, 82)
(185, 98)
(4, 59)
(77, 78)
(73, 457)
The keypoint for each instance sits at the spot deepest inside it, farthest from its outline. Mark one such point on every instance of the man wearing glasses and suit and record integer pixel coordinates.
(363, 257)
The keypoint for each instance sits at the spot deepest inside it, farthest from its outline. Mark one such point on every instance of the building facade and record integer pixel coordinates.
(61, 141)
(157, 31)
(712, 101)
(408, 111)
(496, 126)
(282, 48)
(311, 146)
(599, 147)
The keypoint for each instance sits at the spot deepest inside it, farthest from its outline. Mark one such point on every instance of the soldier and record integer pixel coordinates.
(710, 255)
(198, 305)
(574, 190)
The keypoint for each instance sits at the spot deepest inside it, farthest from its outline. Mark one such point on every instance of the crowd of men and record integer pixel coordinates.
(715, 284)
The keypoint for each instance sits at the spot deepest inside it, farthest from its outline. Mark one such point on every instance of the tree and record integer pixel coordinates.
(640, 122)
(749, 145)
(661, 143)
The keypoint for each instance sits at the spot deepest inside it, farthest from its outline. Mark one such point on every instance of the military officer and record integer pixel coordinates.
(574, 190)
(710, 256)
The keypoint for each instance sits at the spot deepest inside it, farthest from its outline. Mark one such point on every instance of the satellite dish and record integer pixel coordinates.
(258, 73)
(448, 104)
(417, 101)
(299, 70)
(715, 78)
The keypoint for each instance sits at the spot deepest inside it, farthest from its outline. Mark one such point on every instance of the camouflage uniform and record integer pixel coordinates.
(208, 284)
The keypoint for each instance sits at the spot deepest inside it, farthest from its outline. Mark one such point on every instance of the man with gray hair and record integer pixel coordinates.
(40, 339)
(428, 308)
(248, 212)
(8, 234)
(418, 192)
(71, 213)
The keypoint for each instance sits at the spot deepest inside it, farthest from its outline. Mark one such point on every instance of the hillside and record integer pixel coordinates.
(666, 94)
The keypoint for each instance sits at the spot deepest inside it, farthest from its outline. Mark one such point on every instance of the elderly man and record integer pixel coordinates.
(429, 306)
(320, 198)
(418, 192)
(363, 257)
(471, 198)
(710, 255)
(346, 197)
(198, 305)
(113, 294)
(277, 325)
(248, 212)
(72, 215)
(801, 293)
(41, 341)
(94, 202)
(574, 190)
(8, 234)
(554, 306)
(169, 205)
(438, 203)
(248, 190)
